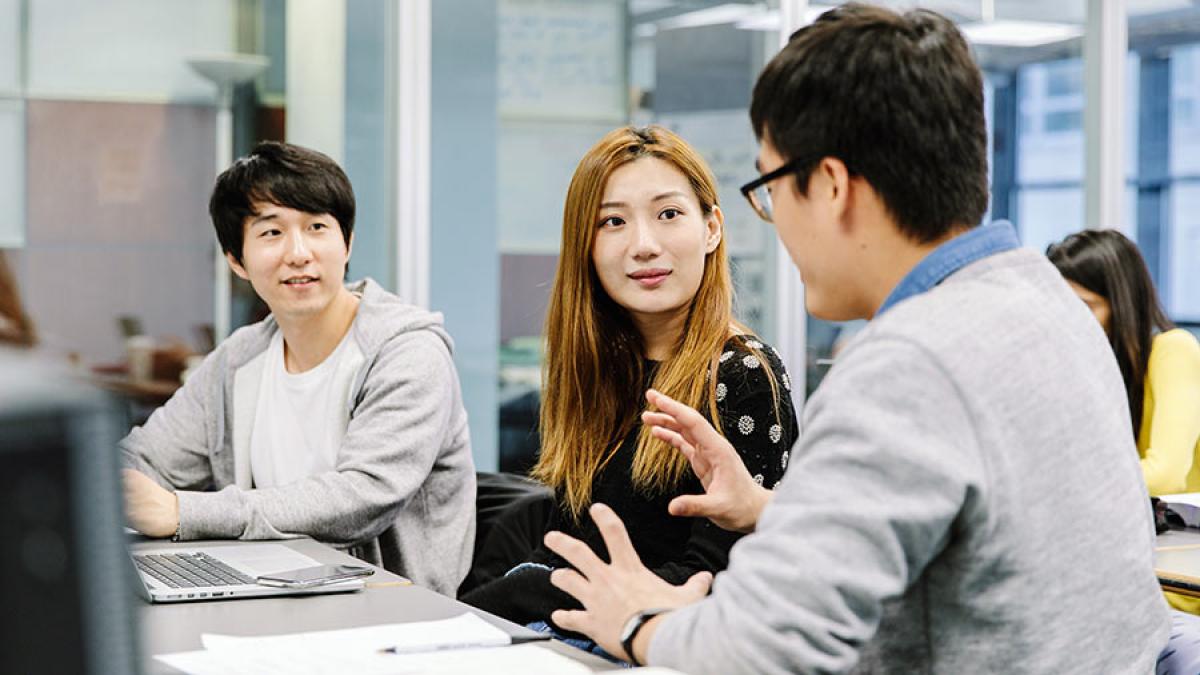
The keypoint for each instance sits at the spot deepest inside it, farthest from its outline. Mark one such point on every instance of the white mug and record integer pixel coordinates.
(139, 350)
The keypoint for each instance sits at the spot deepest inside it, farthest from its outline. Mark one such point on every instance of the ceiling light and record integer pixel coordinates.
(637, 7)
(644, 31)
(1019, 33)
(711, 16)
(770, 21)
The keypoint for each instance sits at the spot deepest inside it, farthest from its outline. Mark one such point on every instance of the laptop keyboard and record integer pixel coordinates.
(190, 570)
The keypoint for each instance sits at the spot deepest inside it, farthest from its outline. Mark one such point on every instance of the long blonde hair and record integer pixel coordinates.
(15, 326)
(593, 378)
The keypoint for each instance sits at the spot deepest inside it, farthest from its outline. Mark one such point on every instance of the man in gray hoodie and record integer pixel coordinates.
(965, 496)
(338, 417)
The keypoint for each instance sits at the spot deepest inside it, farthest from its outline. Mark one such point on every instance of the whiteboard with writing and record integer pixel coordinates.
(562, 59)
(12, 173)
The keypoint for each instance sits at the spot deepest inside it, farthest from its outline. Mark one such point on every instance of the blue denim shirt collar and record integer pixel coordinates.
(976, 244)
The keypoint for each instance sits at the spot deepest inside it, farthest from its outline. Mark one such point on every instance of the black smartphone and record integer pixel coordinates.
(314, 576)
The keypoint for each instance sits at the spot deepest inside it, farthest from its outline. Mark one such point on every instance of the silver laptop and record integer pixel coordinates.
(222, 572)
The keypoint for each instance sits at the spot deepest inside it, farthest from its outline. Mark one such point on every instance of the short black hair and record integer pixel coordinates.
(285, 175)
(898, 98)
(1108, 264)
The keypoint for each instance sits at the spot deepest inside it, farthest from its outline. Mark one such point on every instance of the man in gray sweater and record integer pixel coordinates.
(338, 417)
(966, 496)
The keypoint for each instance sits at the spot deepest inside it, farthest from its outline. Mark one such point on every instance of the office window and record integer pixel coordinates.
(1063, 120)
(1185, 112)
(1050, 138)
(1064, 79)
(1182, 274)
(1178, 268)
(1184, 88)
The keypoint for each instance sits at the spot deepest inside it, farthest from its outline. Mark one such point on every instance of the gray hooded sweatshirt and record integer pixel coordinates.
(402, 494)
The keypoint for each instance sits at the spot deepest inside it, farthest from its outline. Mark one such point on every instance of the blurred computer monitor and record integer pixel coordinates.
(67, 606)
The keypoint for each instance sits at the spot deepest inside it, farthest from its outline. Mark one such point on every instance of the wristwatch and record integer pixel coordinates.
(633, 626)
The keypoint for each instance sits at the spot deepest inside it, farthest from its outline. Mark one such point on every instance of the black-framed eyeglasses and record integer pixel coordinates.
(756, 191)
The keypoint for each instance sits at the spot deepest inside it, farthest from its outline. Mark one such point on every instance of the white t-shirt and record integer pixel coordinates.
(300, 419)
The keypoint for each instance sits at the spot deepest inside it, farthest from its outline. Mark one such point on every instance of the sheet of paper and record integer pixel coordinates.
(1190, 498)
(514, 660)
(465, 630)
(211, 663)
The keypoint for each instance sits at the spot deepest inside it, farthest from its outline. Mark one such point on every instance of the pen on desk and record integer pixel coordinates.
(438, 648)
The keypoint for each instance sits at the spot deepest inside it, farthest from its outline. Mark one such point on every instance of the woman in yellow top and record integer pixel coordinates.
(1160, 363)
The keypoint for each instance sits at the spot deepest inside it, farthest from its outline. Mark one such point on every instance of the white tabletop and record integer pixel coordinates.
(169, 628)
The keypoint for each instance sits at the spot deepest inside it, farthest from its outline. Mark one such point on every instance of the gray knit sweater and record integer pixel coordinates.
(965, 498)
(403, 491)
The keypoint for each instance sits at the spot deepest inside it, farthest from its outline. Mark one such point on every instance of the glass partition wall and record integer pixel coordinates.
(110, 148)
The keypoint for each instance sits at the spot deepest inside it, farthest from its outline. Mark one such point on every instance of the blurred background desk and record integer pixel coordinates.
(146, 392)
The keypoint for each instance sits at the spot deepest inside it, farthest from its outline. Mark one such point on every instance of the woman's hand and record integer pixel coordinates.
(732, 499)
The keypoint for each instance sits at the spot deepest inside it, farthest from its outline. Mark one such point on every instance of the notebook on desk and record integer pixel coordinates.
(223, 572)
(1179, 567)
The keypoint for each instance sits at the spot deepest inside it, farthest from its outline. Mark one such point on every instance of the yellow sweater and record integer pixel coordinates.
(1169, 439)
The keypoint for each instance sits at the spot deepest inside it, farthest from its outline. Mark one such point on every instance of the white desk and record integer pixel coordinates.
(170, 628)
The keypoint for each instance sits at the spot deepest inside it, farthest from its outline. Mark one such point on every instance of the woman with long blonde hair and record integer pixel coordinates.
(642, 298)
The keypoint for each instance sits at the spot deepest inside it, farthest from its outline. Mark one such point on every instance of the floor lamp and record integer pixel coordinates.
(226, 71)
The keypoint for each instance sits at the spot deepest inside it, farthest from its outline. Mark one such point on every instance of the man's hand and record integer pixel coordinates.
(731, 499)
(151, 510)
(612, 593)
